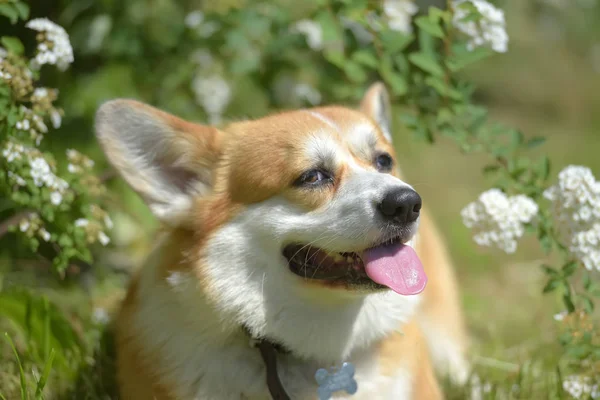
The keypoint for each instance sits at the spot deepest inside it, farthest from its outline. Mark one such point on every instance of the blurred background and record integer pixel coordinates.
(204, 62)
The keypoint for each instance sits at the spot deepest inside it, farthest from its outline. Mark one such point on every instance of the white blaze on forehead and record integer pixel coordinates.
(362, 139)
(325, 120)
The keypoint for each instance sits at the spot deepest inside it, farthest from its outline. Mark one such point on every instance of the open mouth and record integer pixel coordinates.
(391, 265)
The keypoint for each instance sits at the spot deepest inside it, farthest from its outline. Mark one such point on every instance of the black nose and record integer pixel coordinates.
(402, 205)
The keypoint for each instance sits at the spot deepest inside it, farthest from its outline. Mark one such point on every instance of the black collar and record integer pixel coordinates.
(268, 351)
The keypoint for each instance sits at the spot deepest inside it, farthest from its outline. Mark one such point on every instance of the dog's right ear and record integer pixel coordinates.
(165, 159)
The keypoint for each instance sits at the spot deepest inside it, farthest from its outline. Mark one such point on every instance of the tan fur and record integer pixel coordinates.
(247, 163)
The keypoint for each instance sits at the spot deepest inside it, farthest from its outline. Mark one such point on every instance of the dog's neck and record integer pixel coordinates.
(180, 319)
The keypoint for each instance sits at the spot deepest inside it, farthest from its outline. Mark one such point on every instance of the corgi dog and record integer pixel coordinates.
(296, 231)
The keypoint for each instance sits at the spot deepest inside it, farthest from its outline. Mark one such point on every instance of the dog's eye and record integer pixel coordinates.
(384, 162)
(313, 177)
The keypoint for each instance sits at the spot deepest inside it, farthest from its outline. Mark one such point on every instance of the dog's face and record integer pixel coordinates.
(305, 205)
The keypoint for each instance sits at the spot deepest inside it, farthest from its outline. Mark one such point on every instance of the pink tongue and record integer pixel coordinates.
(396, 266)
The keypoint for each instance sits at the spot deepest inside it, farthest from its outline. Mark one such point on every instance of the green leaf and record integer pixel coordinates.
(462, 57)
(23, 10)
(9, 12)
(544, 168)
(489, 169)
(535, 142)
(336, 58)
(517, 137)
(588, 304)
(587, 281)
(21, 372)
(435, 14)
(426, 63)
(443, 88)
(552, 285)
(44, 377)
(409, 120)
(394, 41)
(333, 33)
(569, 268)
(396, 82)
(433, 28)
(365, 57)
(569, 303)
(546, 243)
(565, 338)
(12, 44)
(355, 72)
(549, 270)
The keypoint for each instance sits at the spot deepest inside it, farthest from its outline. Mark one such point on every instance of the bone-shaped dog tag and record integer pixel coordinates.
(333, 381)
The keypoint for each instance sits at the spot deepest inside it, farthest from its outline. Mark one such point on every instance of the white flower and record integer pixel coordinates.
(73, 168)
(43, 176)
(580, 387)
(56, 198)
(497, 220)
(23, 125)
(576, 212)
(24, 225)
(399, 14)
(56, 119)
(40, 93)
(60, 52)
(17, 178)
(81, 222)
(489, 30)
(108, 222)
(5, 75)
(213, 93)
(44, 234)
(306, 92)
(312, 32)
(40, 171)
(560, 316)
(100, 316)
(13, 151)
(3, 53)
(479, 390)
(103, 238)
(194, 19)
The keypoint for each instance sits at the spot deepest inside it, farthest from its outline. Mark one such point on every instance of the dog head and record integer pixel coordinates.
(298, 219)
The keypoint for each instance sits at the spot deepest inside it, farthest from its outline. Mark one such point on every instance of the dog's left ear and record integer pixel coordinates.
(376, 104)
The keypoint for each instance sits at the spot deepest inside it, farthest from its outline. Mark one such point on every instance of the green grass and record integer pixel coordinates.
(544, 90)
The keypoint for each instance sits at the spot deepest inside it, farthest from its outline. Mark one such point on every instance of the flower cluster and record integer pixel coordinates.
(94, 227)
(93, 230)
(576, 211)
(54, 47)
(213, 93)
(498, 220)
(312, 31)
(399, 14)
(581, 387)
(32, 225)
(33, 124)
(488, 29)
(40, 171)
(78, 162)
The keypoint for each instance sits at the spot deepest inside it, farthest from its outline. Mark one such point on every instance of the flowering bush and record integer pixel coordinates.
(221, 60)
(44, 204)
